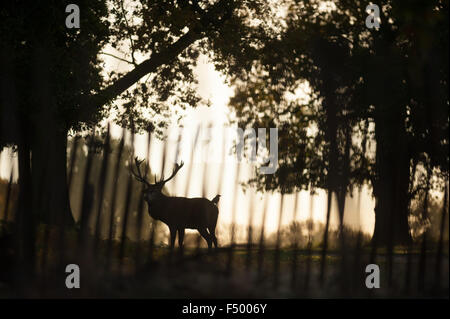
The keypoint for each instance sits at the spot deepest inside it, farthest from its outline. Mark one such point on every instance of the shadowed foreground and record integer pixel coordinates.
(240, 272)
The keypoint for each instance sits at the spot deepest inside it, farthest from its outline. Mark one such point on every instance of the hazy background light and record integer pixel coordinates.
(212, 87)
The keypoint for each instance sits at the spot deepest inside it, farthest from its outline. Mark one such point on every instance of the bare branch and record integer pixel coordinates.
(214, 14)
(116, 57)
(129, 33)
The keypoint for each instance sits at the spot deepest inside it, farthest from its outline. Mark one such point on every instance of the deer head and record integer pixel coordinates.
(151, 191)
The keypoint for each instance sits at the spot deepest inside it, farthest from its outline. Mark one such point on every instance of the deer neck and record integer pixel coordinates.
(156, 206)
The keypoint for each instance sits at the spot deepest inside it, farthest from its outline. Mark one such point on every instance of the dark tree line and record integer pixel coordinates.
(52, 84)
(379, 106)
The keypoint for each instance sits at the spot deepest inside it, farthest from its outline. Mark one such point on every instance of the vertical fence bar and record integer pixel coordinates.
(219, 183)
(261, 248)
(297, 231)
(73, 157)
(140, 212)
(140, 216)
(62, 234)
(102, 181)
(423, 250)
(194, 147)
(357, 256)
(233, 221)
(87, 199)
(204, 180)
(154, 222)
(114, 200)
(129, 191)
(123, 236)
(309, 244)
(151, 244)
(181, 233)
(438, 266)
(342, 242)
(248, 260)
(161, 177)
(276, 258)
(325, 239)
(409, 252)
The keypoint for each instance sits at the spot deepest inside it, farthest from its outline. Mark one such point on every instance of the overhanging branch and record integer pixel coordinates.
(148, 66)
(166, 56)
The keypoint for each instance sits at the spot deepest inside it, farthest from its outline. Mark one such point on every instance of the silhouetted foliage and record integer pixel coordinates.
(378, 105)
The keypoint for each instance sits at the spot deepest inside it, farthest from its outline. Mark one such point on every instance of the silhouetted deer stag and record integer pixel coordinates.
(179, 213)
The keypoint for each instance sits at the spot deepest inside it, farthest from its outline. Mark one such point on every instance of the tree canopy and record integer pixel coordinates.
(379, 102)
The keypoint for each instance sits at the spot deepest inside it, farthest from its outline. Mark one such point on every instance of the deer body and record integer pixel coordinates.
(179, 213)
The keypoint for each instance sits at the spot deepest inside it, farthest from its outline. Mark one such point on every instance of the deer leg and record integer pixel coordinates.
(205, 235)
(173, 234)
(180, 237)
(212, 231)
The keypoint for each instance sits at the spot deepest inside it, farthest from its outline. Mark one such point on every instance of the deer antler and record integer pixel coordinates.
(139, 176)
(175, 171)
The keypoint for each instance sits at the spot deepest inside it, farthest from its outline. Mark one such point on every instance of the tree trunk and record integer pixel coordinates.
(49, 174)
(391, 183)
(48, 138)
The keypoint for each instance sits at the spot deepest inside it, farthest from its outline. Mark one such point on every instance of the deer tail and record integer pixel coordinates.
(215, 200)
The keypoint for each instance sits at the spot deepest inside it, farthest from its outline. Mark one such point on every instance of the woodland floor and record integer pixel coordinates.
(249, 273)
